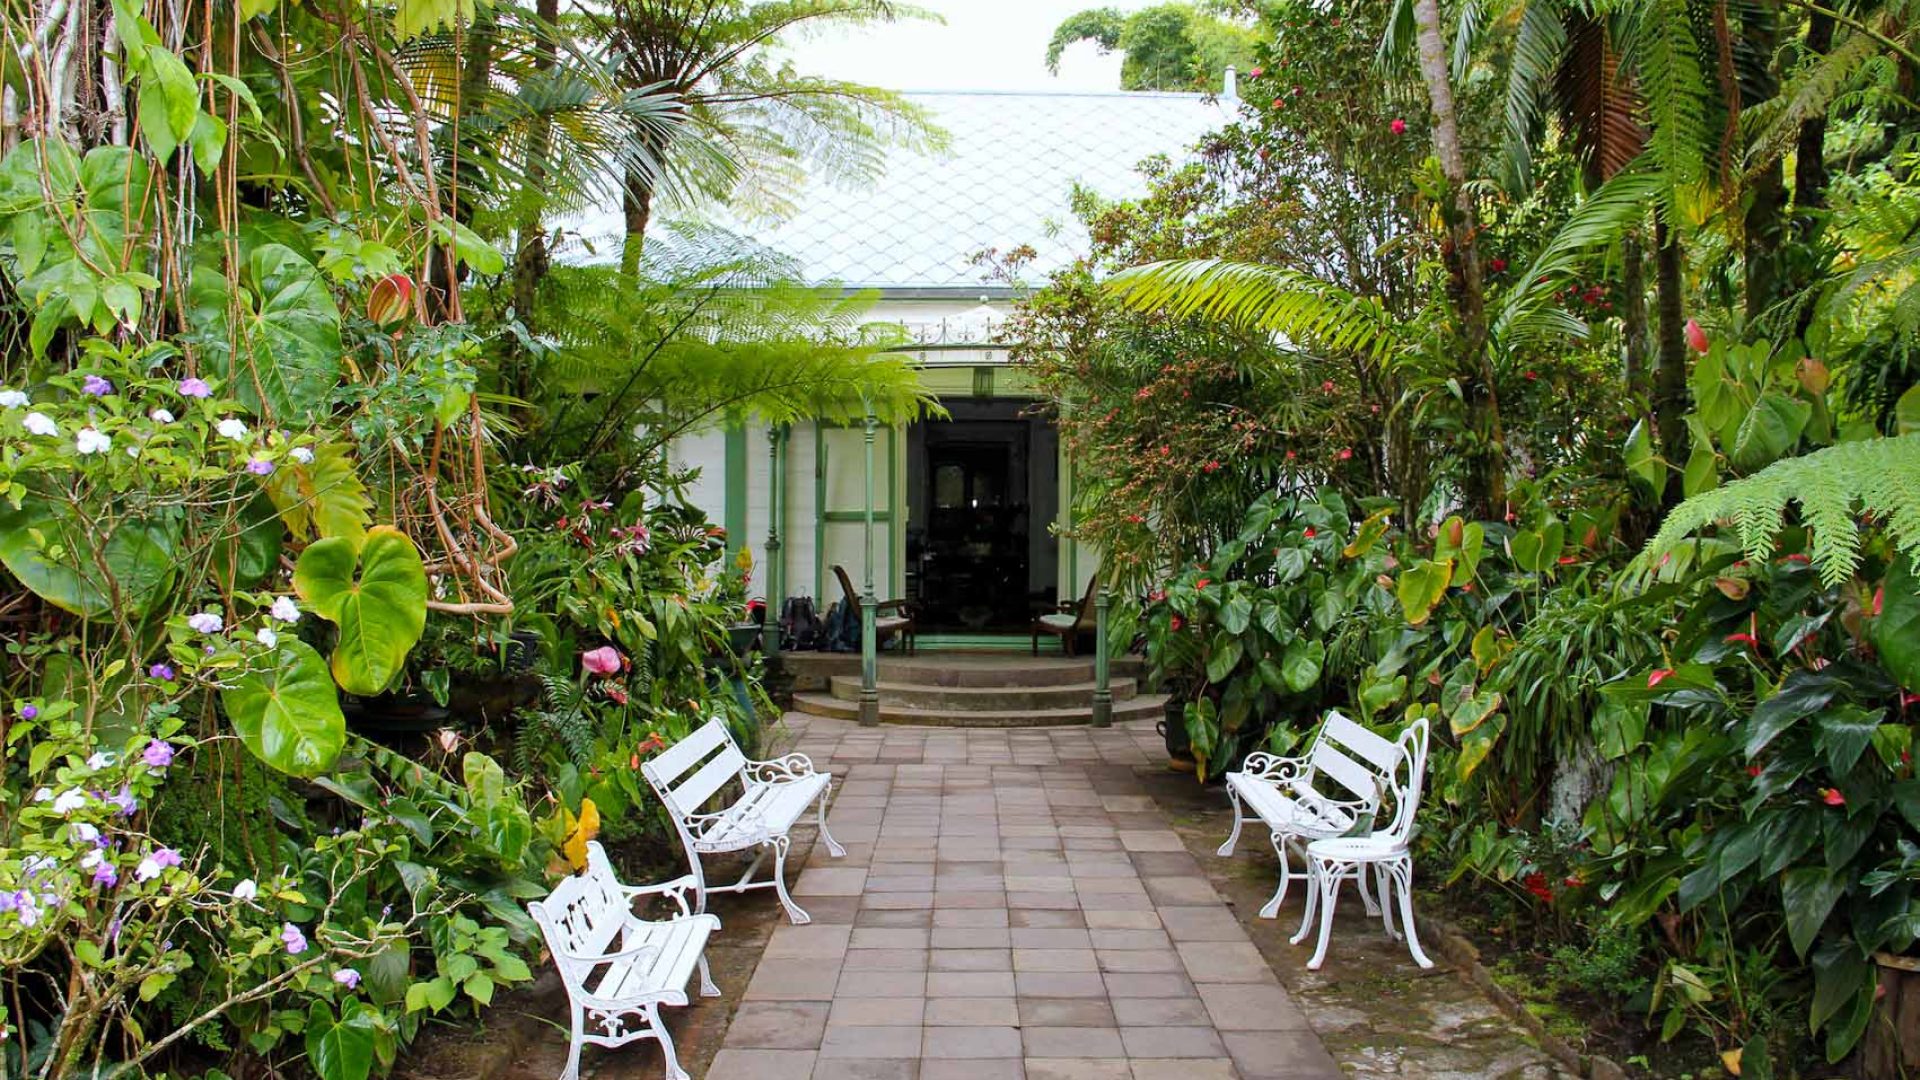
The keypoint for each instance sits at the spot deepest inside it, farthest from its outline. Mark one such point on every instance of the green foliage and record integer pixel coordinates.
(376, 595)
(1834, 487)
(289, 714)
(1166, 47)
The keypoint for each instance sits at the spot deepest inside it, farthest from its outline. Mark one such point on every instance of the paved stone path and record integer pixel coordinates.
(1012, 905)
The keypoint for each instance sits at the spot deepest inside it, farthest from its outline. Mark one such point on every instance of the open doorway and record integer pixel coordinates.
(982, 493)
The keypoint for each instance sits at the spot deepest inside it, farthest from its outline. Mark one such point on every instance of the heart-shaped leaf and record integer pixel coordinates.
(51, 552)
(289, 715)
(377, 596)
(340, 1051)
(289, 331)
(1300, 665)
(1896, 632)
(1420, 588)
(1769, 430)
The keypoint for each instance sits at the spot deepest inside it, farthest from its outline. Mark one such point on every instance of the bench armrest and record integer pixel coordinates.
(677, 890)
(882, 605)
(776, 770)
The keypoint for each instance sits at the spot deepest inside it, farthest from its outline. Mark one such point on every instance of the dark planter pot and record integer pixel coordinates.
(1173, 728)
(741, 638)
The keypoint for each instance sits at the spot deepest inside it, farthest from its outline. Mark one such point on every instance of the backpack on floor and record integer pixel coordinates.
(800, 626)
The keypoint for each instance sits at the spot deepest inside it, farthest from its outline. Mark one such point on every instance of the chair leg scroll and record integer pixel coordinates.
(833, 846)
(795, 913)
(1234, 836)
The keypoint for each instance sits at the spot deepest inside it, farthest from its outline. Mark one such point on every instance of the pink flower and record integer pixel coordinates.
(195, 388)
(1398, 127)
(602, 661)
(1832, 797)
(293, 939)
(1696, 337)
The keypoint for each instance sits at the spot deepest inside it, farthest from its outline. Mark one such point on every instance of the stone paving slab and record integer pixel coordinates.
(1012, 905)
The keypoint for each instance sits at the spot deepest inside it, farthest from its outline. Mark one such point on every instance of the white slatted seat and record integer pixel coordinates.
(619, 969)
(691, 773)
(1385, 855)
(1324, 794)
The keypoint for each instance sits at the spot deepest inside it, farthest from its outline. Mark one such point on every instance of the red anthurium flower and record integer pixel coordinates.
(1537, 885)
(1748, 640)
(1344, 454)
(1754, 769)
(1212, 466)
(1879, 597)
(390, 303)
(1567, 560)
(1256, 73)
(1498, 265)
(1697, 337)
(602, 661)
(1279, 103)
(1203, 583)
(1907, 699)
(1309, 534)
(1659, 676)
(1327, 387)
(1174, 622)
(1532, 375)
(1832, 797)
(618, 694)
(1290, 455)
(1573, 881)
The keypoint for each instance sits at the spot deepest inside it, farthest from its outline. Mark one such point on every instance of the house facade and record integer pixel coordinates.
(966, 510)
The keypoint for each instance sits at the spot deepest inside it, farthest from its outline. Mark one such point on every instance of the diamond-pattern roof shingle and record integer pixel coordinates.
(1005, 178)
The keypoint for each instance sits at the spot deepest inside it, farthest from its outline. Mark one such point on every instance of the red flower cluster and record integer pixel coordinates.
(1536, 883)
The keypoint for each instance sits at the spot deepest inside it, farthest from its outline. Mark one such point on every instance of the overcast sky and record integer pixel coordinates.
(983, 45)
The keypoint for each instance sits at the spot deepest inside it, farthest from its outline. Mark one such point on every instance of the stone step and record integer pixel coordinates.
(1136, 708)
(1005, 698)
(996, 671)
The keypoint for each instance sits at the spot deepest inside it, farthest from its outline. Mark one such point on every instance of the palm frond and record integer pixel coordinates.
(1539, 46)
(1620, 204)
(1677, 96)
(1299, 307)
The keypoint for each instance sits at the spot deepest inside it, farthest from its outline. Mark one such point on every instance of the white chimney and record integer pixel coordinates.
(1230, 86)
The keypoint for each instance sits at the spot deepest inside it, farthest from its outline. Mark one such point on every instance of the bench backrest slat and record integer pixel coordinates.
(670, 764)
(691, 794)
(1332, 762)
(1376, 750)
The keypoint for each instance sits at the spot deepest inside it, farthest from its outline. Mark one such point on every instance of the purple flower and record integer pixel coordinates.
(206, 622)
(151, 866)
(97, 386)
(8, 901)
(163, 672)
(347, 977)
(195, 388)
(260, 467)
(28, 712)
(295, 941)
(158, 754)
(106, 876)
(125, 801)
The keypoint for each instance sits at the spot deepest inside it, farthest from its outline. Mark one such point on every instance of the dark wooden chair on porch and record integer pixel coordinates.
(885, 626)
(1069, 622)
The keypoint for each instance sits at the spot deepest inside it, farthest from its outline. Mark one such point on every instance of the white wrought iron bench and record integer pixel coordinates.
(1332, 790)
(773, 795)
(619, 969)
(1384, 854)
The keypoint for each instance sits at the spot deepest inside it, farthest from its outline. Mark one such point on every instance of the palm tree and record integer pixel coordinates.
(755, 125)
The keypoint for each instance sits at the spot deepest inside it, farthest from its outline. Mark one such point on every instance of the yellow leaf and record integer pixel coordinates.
(1731, 1059)
(584, 829)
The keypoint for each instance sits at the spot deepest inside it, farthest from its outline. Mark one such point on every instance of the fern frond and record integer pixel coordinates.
(1879, 478)
(1620, 204)
(1675, 89)
(1300, 307)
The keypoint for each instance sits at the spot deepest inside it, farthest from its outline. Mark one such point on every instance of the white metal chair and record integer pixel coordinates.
(773, 796)
(1386, 855)
(1331, 790)
(619, 969)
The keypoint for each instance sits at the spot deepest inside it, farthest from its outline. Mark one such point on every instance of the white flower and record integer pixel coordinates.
(206, 622)
(267, 637)
(147, 870)
(43, 795)
(301, 454)
(100, 760)
(85, 833)
(70, 800)
(40, 424)
(91, 441)
(92, 859)
(13, 399)
(285, 610)
(246, 890)
(161, 416)
(232, 429)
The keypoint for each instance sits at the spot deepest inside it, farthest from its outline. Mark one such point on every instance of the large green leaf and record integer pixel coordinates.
(381, 609)
(289, 332)
(323, 497)
(1769, 430)
(1642, 462)
(1809, 893)
(343, 1050)
(248, 548)
(48, 550)
(1421, 586)
(1224, 658)
(289, 715)
(1896, 633)
(1300, 665)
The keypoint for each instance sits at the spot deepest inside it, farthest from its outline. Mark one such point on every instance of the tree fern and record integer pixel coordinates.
(1835, 487)
(1675, 89)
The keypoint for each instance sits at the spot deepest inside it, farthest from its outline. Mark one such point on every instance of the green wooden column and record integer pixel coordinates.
(1102, 691)
(869, 638)
(776, 563)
